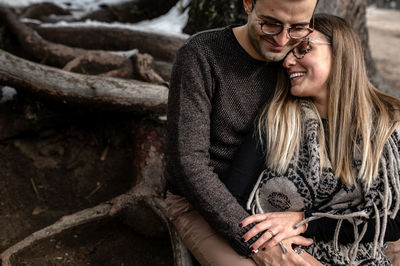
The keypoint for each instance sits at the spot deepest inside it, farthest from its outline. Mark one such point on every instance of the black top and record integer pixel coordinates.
(247, 165)
(216, 91)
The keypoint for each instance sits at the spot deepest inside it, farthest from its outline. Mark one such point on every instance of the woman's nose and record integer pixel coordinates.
(290, 60)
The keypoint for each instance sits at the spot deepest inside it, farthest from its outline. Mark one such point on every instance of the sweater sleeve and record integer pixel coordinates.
(323, 230)
(188, 144)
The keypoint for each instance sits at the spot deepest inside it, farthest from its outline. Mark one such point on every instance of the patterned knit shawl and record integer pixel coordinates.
(303, 186)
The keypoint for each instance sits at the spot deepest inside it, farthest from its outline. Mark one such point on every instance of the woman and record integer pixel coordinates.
(331, 147)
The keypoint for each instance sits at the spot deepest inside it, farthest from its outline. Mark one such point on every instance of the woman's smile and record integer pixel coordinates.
(309, 75)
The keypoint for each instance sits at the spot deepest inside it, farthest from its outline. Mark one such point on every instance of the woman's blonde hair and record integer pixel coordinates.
(357, 111)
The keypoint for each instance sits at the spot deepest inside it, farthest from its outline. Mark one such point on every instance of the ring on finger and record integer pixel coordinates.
(283, 247)
(299, 250)
(271, 233)
(255, 251)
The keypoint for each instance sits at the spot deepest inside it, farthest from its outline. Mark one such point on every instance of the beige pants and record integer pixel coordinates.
(207, 247)
(393, 252)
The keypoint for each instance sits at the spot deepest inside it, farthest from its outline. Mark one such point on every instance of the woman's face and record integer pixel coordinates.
(309, 75)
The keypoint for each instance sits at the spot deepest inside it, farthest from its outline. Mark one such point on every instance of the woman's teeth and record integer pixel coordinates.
(295, 75)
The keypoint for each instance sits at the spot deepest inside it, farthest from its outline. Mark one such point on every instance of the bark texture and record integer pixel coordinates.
(81, 60)
(161, 47)
(93, 91)
(354, 11)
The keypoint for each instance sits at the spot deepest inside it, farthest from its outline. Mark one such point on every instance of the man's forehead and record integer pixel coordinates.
(286, 11)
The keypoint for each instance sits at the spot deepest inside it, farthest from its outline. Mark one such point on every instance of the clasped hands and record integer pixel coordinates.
(280, 228)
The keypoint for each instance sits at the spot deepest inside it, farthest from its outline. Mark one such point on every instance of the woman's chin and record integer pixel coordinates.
(296, 91)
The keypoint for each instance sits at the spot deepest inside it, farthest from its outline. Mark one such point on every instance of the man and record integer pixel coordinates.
(221, 79)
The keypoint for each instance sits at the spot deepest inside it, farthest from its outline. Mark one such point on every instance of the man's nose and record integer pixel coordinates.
(282, 38)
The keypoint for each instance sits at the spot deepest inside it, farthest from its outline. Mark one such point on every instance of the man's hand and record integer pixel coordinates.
(276, 257)
(393, 252)
(279, 226)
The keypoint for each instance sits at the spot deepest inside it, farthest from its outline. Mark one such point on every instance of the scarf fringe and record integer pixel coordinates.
(380, 228)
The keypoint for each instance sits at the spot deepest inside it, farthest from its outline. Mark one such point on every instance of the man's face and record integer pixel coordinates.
(286, 12)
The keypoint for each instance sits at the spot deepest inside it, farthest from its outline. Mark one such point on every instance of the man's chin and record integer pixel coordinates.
(274, 57)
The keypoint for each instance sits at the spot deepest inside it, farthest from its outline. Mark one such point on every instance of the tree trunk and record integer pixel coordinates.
(354, 11)
(398, 4)
(380, 3)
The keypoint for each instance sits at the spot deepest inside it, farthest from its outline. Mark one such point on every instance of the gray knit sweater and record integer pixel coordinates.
(216, 91)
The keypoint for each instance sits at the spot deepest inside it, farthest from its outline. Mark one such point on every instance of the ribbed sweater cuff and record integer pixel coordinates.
(243, 248)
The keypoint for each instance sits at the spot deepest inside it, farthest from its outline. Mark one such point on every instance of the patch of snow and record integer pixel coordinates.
(163, 117)
(30, 20)
(171, 23)
(78, 8)
(92, 23)
(68, 4)
(125, 54)
(8, 94)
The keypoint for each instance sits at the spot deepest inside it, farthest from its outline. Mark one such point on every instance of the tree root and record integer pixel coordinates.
(93, 91)
(92, 214)
(161, 47)
(61, 55)
(147, 194)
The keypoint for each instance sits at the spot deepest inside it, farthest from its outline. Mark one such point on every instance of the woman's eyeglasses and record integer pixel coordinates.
(304, 47)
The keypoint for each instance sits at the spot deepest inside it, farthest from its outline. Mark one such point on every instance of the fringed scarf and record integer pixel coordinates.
(303, 187)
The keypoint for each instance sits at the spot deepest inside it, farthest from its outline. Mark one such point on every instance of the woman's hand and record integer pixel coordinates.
(276, 257)
(279, 226)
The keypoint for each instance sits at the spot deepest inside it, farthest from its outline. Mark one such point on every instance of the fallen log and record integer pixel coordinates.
(61, 55)
(126, 11)
(132, 11)
(93, 91)
(143, 63)
(42, 10)
(46, 52)
(93, 64)
(161, 47)
(164, 69)
(147, 194)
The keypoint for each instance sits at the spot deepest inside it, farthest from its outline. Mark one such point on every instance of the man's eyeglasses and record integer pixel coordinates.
(304, 47)
(295, 32)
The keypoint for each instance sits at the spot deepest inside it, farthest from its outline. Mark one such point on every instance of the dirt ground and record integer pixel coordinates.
(384, 39)
(50, 166)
